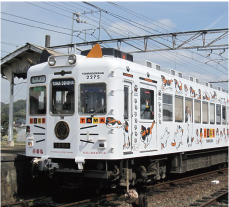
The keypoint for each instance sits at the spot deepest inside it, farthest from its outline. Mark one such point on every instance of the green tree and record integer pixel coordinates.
(4, 124)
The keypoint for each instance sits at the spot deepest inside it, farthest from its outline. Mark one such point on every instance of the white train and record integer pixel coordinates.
(99, 118)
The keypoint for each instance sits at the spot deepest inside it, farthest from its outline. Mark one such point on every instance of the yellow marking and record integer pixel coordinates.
(95, 120)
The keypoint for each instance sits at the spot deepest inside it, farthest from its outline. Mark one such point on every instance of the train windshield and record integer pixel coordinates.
(37, 100)
(62, 97)
(92, 98)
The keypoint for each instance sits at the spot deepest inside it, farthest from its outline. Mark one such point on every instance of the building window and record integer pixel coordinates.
(218, 114)
(197, 108)
(146, 103)
(212, 113)
(205, 112)
(167, 107)
(179, 109)
(188, 110)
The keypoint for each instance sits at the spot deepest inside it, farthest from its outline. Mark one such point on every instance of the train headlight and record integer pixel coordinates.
(52, 61)
(30, 143)
(72, 59)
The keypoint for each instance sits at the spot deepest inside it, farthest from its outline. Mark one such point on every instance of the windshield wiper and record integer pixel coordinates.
(61, 116)
(99, 109)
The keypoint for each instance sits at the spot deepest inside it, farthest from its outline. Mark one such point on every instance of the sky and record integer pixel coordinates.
(30, 21)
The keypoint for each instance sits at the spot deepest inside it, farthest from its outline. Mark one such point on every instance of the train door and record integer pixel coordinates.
(127, 131)
(148, 117)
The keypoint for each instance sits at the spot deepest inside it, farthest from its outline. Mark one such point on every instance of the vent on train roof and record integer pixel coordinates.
(158, 67)
(112, 52)
(149, 64)
(204, 83)
(190, 78)
(180, 75)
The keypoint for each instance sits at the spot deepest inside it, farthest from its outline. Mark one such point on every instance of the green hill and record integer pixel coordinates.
(19, 112)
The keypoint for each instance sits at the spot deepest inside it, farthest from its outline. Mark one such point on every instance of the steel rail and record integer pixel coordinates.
(194, 177)
(211, 200)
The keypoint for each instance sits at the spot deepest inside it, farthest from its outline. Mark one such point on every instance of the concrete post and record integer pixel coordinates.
(11, 105)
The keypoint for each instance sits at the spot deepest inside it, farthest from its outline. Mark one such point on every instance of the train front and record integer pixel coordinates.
(66, 118)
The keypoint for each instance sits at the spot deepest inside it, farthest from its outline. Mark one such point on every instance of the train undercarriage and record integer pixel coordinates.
(128, 172)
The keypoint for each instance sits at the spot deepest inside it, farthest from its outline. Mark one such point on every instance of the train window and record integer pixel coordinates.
(92, 98)
(212, 113)
(147, 103)
(62, 96)
(205, 112)
(167, 107)
(224, 120)
(228, 115)
(188, 110)
(37, 100)
(179, 109)
(218, 114)
(126, 89)
(197, 108)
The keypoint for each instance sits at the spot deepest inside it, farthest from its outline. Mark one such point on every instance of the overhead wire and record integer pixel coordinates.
(201, 62)
(38, 27)
(141, 16)
(11, 44)
(54, 12)
(69, 11)
(35, 21)
(210, 65)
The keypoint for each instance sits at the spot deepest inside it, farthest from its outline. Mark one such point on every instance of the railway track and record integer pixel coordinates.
(189, 179)
(212, 199)
(108, 199)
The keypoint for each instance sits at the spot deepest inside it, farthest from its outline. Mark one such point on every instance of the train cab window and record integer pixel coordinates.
(37, 100)
(218, 114)
(167, 107)
(146, 103)
(205, 112)
(92, 98)
(197, 108)
(179, 117)
(188, 110)
(62, 96)
(212, 113)
(224, 119)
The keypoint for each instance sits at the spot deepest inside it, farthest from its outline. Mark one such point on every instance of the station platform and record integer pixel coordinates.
(10, 153)
(15, 172)
(13, 150)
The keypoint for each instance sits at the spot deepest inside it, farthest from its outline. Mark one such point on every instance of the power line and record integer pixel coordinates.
(4, 51)
(11, 44)
(38, 27)
(36, 21)
(117, 16)
(47, 9)
(140, 16)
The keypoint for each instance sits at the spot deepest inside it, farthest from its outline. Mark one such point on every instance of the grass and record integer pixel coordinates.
(5, 139)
